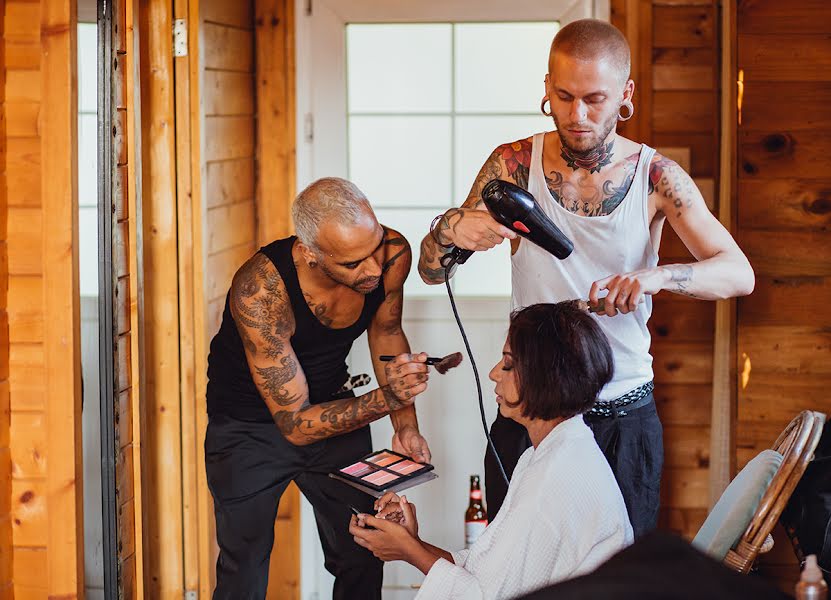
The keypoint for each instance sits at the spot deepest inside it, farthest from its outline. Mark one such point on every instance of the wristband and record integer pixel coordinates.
(433, 233)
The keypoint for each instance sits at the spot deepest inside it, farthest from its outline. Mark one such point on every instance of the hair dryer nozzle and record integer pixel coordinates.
(516, 209)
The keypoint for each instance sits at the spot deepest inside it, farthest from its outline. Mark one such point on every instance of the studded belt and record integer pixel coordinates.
(611, 408)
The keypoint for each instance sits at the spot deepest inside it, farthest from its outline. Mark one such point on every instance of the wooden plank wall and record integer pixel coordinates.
(6, 544)
(40, 105)
(784, 225)
(123, 263)
(675, 65)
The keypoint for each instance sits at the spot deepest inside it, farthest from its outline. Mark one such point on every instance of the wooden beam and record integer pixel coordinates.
(163, 533)
(723, 416)
(62, 340)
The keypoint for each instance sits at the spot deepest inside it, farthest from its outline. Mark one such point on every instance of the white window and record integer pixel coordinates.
(426, 104)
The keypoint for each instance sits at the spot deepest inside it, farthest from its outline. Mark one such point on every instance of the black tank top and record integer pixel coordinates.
(320, 350)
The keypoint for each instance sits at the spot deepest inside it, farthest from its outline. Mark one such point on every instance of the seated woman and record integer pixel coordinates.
(563, 514)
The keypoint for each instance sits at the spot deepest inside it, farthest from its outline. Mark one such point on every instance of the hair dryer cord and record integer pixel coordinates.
(475, 374)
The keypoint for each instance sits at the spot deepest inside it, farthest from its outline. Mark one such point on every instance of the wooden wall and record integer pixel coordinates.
(784, 225)
(40, 186)
(675, 65)
(6, 544)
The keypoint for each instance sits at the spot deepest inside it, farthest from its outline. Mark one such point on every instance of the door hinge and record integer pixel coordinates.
(309, 128)
(180, 37)
(308, 8)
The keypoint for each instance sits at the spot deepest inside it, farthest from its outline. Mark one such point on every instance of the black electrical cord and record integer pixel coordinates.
(475, 373)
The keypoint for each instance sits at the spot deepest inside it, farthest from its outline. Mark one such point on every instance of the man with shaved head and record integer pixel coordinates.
(280, 401)
(611, 196)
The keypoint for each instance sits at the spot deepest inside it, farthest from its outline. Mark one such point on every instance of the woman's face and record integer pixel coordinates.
(504, 376)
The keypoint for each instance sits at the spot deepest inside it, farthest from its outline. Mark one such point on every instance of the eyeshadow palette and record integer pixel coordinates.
(384, 471)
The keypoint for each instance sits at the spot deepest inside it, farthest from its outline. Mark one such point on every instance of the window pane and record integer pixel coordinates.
(500, 67)
(401, 161)
(88, 250)
(87, 67)
(476, 138)
(413, 225)
(399, 68)
(87, 160)
(485, 273)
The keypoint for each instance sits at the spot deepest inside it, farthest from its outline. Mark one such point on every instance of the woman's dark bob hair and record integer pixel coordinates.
(561, 360)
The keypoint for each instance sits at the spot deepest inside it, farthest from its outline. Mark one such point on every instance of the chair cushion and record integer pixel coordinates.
(732, 513)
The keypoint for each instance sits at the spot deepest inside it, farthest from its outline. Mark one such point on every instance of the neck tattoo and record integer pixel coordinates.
(592, 161)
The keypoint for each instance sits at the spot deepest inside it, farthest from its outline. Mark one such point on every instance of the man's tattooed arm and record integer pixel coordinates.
(261, 310)
(508, 161)
(722, 270)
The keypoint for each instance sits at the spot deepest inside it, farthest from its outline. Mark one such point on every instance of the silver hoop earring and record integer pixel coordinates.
(542, 106)
(630, 107)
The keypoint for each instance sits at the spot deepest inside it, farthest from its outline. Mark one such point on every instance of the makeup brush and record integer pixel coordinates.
(443, 365)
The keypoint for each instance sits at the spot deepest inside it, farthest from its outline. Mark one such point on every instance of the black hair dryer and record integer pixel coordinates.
(516, 209)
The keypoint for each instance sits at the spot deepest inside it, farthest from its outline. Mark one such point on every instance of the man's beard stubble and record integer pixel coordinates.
(592, 144)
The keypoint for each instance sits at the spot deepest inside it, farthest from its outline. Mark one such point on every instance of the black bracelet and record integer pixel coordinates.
(433, 233)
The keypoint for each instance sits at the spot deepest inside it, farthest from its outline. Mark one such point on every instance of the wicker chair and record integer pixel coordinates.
(796, 445)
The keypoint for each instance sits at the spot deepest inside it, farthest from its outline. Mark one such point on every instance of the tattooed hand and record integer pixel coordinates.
(626, 291)
(472, 229)
(407, 376)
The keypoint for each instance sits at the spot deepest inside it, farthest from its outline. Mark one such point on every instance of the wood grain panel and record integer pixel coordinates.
(787, 253)
(22, 119)
(677, 318)
(26, 382)
(782, 155)
(692, 111)
(23, 85)
(214, 318)
(23, 171)
(683, 404)
(703, 150)
(21, 21)
(28, 445)
(683, 521)
(684, 488)
(684, 26)
(228, 93)
(230, 225)
(28, 569)
(125, 418)
(30, 526)
(229, 181)
(682, 362)
(25, 242)
(689, 446)
(228, 48)
(793, 57)
(776, 204)
(786, 300)
(685, 57)
(229, 137)
(771, 398)
(237, 14)
(682, 77)
(774, 17)
(25, 309)
(787, 350)
(221, 268)
(808, 103)
(22, 55)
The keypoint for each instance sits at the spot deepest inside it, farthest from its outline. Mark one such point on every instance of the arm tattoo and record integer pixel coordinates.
(681, 276)
(517, 159)
(431, 252)
(668, 179)
(492, 169)
(401, 247)
(313, 423)
(391, 325)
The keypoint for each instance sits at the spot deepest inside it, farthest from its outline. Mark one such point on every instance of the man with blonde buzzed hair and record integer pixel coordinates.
(611, 197)
(280, 401)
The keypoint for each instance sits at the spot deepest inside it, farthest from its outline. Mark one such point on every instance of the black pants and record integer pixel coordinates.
(633, 445)
(249, 466)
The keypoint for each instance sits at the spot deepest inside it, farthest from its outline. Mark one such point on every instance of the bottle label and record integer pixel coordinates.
(473, 529)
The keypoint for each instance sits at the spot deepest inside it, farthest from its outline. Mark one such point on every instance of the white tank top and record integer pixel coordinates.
(620, 242)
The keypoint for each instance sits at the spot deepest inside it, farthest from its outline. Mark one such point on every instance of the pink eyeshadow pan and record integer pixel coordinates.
(382, 460)
(380, 478)
(358, 469)
(405, 467)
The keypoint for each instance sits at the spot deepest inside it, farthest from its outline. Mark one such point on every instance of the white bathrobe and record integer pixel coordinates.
(562, 517)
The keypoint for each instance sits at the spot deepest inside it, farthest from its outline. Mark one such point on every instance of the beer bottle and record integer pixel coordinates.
(476, 519)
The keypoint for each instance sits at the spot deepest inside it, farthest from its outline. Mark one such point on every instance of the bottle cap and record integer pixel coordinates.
(811, 573)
